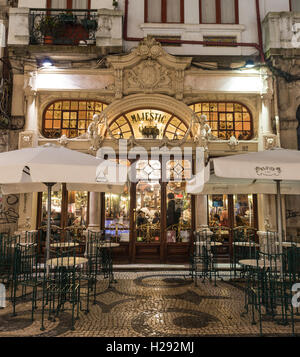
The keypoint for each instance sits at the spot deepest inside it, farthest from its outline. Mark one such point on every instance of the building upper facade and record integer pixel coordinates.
(185, 27)
(199, 61)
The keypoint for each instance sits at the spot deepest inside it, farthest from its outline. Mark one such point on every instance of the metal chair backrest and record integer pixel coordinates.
(219, 232)
(202, 243)
(268, 243)
(94, 239)
(25, 262)
(244, 234)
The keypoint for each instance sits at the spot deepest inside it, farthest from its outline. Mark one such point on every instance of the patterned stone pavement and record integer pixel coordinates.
(149, 304)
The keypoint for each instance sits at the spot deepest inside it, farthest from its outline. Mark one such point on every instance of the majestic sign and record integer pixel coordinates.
(148, 116)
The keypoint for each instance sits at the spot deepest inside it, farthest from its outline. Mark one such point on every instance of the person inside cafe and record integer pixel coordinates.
(141, 218)
(224, 218)
(156, 218)
(171, 210)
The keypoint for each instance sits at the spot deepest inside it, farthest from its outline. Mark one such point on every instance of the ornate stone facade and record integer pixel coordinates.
(149, 69)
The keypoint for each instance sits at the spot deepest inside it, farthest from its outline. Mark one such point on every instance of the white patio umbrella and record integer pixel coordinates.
(33, 169)
(259, 172)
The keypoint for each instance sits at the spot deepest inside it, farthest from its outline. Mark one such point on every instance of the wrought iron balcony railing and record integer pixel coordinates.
(62, 27)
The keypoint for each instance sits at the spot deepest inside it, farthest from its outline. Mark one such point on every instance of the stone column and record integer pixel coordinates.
(28, 201)
(201, 211)
(94, 211)
(266, 211)
(109, 32)
(267, 137)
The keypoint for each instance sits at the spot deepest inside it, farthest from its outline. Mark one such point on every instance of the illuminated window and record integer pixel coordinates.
(149, 123)
(226, 119)
(175, 129)
(69, 117)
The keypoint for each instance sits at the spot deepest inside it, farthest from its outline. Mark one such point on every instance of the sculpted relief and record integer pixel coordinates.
(149, 69)
(148, 76)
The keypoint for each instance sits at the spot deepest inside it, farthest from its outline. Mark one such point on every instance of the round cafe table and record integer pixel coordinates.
(258, 263)
(105, 245)
(66, 261)
(107, 264)
(64, 244)
(24, 244)
(212, 244)
(246, 244)
(289, 244)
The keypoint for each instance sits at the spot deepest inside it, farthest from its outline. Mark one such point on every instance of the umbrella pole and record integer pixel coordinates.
(279, 218)
(279, 215)
(49, 185)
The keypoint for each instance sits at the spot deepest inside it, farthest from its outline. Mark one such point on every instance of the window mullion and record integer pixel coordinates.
(218, 11)
(164, 11)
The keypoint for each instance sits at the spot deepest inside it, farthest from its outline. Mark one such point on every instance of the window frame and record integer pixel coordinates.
(251, 131)
(218, 13)
(43, 128)
(291, 6)
(164, 12)
(69, 5)
(128, 122)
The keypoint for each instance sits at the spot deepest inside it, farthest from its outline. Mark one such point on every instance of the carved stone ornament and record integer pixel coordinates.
(203, 131)
(270, 142)
(149, 69)
(27, 139)
(233, 143)
(94, 131)
(63, 140)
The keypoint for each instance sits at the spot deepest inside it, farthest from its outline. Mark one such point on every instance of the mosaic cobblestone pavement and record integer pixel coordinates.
(149, 304)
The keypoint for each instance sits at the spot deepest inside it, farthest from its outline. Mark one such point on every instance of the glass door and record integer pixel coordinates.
(147, 212)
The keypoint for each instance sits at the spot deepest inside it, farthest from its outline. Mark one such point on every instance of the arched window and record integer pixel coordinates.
(69, 117)
(226, 119)
(148, 122)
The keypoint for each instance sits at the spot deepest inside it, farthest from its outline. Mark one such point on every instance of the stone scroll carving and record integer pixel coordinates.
(149, 69)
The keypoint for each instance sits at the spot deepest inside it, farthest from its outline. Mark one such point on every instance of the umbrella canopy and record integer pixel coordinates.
(52, 163)
(274, 164)
(34, 169)
(206, 182)
(264, 168)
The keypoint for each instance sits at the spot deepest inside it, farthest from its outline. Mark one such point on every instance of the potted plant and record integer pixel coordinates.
(68, 18)
(150, 131)
(49, 27)
(89, 24)
(115, 4)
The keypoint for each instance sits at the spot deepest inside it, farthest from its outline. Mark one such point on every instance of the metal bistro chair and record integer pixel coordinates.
(7, 250)
(55, 237)
(76, 234)
(202, 260)
(268, 290)
(243, 247)
(25, 274)
(61, 285)
(104, 252)
(92, 269)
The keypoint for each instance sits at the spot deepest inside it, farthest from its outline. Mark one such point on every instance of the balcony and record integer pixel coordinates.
(40, 27)
(62, 28)
(281, 32)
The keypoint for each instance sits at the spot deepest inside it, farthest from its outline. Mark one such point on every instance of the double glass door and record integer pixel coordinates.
(152, 220)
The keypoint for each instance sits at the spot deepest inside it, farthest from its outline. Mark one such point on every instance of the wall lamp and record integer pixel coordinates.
(46, 62)
(249, 64)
